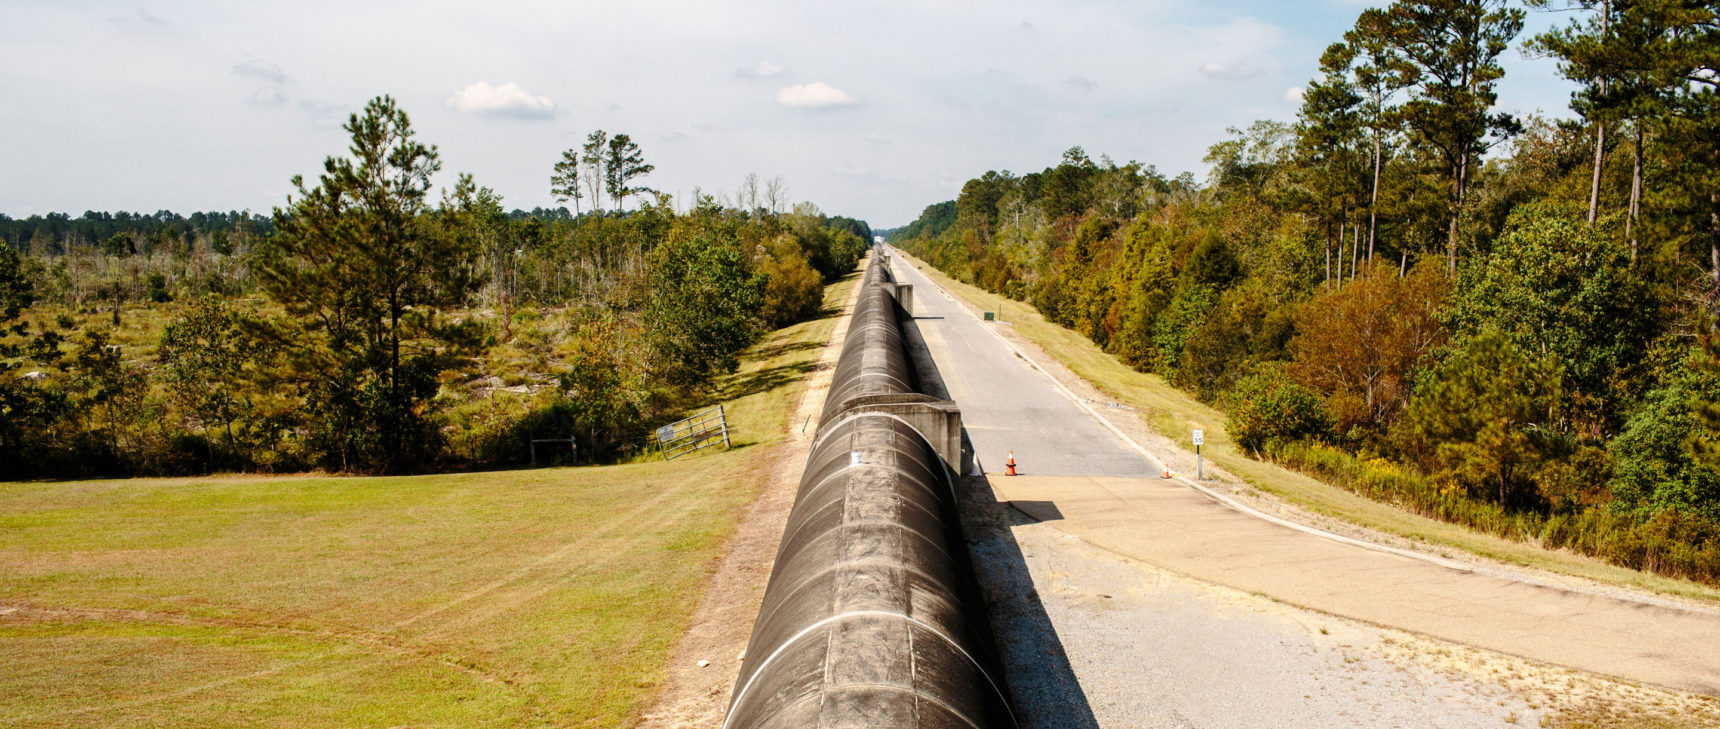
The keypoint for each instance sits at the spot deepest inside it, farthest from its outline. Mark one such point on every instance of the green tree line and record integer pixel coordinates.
(1501, 321)
(376, 324)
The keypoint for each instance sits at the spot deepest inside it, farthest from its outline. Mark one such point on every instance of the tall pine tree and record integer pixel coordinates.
(1451, 50)
(365, 269)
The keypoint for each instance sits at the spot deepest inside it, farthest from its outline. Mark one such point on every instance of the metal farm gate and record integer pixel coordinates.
(698, 432)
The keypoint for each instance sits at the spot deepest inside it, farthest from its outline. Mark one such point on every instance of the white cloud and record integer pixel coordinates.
(267, 96)
(140, 18)
(763, 69)
(815, 95)
(1222, 70)
(321, 107)
(1293, 95)
(261, 70)
(507, 100)
(324, 115)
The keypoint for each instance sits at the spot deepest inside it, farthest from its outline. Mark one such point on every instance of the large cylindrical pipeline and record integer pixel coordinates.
(866, 621)
(874, 356)
(871, 617)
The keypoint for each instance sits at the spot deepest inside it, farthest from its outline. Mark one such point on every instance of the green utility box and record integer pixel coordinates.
(990, 316)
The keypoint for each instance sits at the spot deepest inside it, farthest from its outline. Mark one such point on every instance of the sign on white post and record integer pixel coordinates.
(1199, 465)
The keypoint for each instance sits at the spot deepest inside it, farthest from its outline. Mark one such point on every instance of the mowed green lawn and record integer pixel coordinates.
(524, 598)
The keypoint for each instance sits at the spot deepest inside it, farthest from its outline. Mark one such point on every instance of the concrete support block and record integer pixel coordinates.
(938, 421)
(902, 293)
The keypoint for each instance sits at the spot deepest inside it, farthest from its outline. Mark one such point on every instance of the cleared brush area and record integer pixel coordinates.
(520, 598)
(1173, 413)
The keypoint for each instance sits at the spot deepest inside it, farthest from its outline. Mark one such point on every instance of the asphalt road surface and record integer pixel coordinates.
(1006, 404)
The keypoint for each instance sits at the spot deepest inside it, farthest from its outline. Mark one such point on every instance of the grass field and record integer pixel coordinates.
(1175, 413)
(522, 598)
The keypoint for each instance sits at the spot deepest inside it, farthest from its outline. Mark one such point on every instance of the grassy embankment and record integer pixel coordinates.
(1174, 413)
(523, 598)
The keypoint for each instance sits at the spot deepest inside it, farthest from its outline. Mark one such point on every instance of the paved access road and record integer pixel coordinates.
(1006, 404)
(1073, 463)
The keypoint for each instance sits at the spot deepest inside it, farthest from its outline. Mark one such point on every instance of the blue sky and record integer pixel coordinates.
(872, 110)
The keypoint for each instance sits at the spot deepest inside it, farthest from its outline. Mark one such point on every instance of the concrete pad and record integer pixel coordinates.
(1169, 525)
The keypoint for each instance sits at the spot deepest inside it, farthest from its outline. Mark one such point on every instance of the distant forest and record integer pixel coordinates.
(371, 324)
(1500, 321)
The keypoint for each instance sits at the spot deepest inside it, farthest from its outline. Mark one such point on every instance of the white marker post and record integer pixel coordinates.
(1199, 438)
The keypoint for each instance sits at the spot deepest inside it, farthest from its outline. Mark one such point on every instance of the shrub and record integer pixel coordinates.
(1484, 414)
(1361, 343)
(1657, 468)
(792, 289)
(702, 306)
(1270, 408)
(1673, 542)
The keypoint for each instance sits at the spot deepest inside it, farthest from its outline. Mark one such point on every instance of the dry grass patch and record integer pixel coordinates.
(1562, 698)
(543, 597)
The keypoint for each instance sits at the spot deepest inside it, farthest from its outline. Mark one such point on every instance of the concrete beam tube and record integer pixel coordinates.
(871, 617)
(874, 358)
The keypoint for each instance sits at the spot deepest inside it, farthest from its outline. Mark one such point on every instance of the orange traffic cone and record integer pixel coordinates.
(1009, 466)
(1167, 471)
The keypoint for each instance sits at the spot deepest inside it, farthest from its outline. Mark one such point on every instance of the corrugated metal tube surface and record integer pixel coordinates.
(874, 357)
(867, 620)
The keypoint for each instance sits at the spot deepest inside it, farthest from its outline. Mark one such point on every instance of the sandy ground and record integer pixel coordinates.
(1091, 638)
(698, 696)
(1166, 524)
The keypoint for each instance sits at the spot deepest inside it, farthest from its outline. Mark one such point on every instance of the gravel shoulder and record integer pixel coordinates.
(1176, 528)
(1091, 638)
